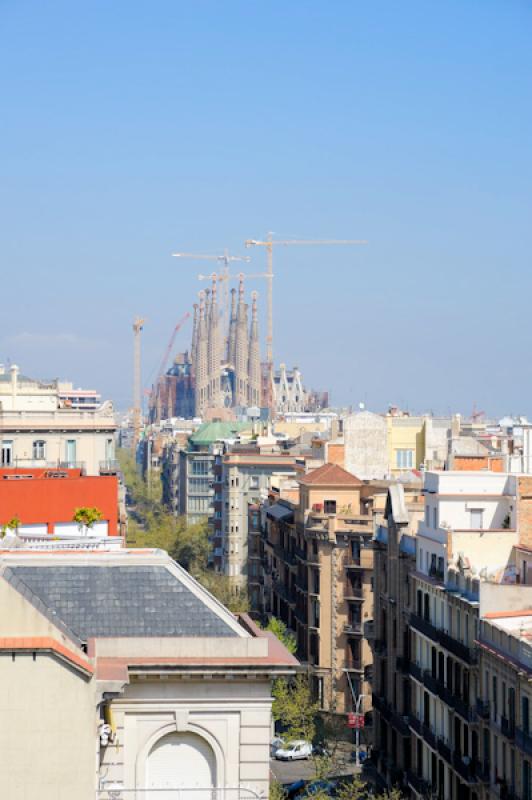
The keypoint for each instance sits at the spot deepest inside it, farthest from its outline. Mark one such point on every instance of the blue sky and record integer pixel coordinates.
(132, 129)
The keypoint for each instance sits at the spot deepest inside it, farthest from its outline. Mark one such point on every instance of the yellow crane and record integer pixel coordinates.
(269, 243)
(224, 277)
(138, 324)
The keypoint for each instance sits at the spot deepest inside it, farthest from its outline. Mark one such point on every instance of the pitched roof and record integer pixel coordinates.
(330, 475)
(119, 600)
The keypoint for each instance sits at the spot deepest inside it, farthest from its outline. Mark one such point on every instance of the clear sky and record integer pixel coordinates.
(131, 129)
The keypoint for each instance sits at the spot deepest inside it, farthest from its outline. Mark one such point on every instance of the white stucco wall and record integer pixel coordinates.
(365, 446)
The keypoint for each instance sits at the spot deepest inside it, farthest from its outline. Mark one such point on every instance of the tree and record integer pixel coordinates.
(12, 524)
(86, 516)
(294, 708)
(284, 635)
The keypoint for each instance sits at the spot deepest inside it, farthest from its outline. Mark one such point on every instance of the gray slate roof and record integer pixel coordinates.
(137, 600)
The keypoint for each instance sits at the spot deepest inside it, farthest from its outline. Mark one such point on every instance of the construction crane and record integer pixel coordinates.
(138, 324)
(269, 244)
(226, 260)
(168, 350)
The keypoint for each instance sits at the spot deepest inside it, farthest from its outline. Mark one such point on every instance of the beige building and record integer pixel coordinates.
(121, 676)
(318, 580)
(49, 424)
(247, 473)
(389, 632)
(505, 702)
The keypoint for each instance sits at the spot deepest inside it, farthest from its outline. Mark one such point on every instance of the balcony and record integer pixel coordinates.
(399, 722)
(424, 730)
(353, 664)
(109, 467)
(444, 750)
(379, 647)
(508, 728)
(483, 709)
(469, 770)
(285, 593)
(457, 648)
(424, 627)
(420, 786)
(403, 664)
(353, 628)
(523, 740)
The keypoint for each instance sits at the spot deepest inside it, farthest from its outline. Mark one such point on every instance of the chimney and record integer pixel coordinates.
(14, 380)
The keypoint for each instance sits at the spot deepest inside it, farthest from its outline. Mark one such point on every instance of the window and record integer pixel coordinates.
(435, 517)
(329, 506)
(7, 453)
(476, 516)
(427, 516)
(70, 451)
(404, 459)
(39, 450)
(254, 482)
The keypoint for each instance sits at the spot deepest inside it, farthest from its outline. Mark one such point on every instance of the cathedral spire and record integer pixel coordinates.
(254, 356)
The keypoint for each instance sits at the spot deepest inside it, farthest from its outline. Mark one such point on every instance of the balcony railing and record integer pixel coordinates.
(483, 709)
(353, 628)
(523, 740)
(508, 728)
(458, 649)
(424, 627)
(109, 467)
(419, 785)
(461, 650)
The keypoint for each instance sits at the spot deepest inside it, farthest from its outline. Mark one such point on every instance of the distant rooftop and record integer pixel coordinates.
(211, 432)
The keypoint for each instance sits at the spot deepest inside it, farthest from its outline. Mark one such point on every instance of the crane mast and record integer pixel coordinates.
(269, 244)
(138, 324)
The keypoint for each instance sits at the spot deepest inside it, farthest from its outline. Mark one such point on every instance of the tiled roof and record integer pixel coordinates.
(330, 475)
(108, 600)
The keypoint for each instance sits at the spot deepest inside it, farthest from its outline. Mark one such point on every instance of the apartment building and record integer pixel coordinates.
(188, 472)
(318, 579)
(245, 478)
(389, 633)
(48, 424)
(505, 702)
(464, 560)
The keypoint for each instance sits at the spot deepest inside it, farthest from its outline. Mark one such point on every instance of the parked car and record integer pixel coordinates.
(275, 745)
(294, 751)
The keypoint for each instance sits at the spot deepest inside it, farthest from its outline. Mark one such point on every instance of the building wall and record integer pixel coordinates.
(47, 501)
(366, 447)
(234, 717)
(48, 735)
(93, 448)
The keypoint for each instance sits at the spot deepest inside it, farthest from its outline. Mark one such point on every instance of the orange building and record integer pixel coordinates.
(44, 500)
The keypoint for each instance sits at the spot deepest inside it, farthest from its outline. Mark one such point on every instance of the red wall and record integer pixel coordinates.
(43, 499)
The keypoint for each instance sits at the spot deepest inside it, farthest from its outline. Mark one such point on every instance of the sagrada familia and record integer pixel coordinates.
(225, 363)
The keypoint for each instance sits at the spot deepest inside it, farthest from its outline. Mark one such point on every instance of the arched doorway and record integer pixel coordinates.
(181, 761)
